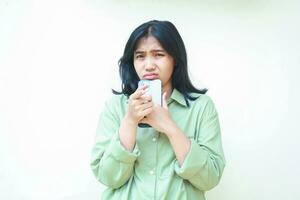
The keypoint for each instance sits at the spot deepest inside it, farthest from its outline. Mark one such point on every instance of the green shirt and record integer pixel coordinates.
(151, 170)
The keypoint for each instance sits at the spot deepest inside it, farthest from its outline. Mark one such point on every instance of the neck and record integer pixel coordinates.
(168, 88)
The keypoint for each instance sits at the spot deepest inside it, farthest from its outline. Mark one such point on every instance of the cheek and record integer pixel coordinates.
(167, 73)
(137, 69)
(169, 70)
(136, 66)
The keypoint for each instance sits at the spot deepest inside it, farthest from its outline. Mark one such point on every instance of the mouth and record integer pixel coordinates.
(150, 76)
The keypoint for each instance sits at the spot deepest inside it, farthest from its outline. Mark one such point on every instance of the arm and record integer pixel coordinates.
(204, 163)
(200, 159)
(111, 163)
(115, 151)
(179, 141)
(128, 140)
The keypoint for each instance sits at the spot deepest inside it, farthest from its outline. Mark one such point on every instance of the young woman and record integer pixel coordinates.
(180, 156)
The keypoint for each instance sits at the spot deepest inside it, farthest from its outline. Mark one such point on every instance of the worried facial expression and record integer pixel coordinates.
(151, 61)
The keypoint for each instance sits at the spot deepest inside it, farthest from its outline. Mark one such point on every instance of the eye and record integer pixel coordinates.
(159, 55)
(139, 56)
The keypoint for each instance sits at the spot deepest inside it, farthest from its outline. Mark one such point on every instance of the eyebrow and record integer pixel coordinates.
(154, 50)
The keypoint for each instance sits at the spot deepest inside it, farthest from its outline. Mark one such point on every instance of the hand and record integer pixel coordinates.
(139, 105)
(160, 118)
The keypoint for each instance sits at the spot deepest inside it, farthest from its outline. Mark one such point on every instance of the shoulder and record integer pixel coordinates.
(115, 99)
(115, 102)
(203, 103)
(202, 99)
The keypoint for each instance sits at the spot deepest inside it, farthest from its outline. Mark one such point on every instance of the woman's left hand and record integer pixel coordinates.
(160, 118)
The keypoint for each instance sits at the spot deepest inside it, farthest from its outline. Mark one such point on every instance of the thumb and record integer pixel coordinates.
(165, 105)
(144, 120)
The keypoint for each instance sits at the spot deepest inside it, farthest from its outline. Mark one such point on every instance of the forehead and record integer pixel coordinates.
(148, 44)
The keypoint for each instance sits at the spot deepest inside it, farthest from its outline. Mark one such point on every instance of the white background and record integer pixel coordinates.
(58, 62)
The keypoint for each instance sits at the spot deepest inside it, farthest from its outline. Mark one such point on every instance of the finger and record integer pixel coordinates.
(144, 120)
(143, 87)
(147, 111)
(140, 101)
(139, 92)
(146, 98)
(143, 109)
(145, 106)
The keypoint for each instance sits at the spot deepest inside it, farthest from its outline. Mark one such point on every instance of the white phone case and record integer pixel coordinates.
(154, 89)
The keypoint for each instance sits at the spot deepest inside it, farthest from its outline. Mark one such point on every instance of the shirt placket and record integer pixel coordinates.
(155, 139)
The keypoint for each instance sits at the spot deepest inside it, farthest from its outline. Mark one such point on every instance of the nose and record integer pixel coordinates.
(149, 64)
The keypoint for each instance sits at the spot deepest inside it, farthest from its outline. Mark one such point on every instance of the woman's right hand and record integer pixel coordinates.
(139, 105)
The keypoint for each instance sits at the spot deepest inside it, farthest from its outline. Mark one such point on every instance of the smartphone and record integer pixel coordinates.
(155, 91)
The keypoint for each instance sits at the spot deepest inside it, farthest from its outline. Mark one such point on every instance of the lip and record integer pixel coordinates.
(150, 76)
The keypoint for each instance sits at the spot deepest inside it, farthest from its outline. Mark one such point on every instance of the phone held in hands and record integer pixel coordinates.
(155, 91)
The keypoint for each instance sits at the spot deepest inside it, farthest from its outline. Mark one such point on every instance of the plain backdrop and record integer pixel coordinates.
(58, 63)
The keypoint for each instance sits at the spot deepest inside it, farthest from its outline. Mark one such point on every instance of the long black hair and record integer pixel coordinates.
(169, 38)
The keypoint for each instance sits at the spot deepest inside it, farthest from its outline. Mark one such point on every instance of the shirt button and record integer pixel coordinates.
(154, 139)
(151, 172)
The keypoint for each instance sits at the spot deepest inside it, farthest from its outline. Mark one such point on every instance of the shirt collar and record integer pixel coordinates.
(178, 97)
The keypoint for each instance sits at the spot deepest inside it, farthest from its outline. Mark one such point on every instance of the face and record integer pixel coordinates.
(151, 61)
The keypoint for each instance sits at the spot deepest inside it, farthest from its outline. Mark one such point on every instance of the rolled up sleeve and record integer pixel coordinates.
(111, 163)
(205, 162)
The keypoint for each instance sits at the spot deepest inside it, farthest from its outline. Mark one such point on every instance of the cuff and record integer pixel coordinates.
(193, 162)
(118, 152)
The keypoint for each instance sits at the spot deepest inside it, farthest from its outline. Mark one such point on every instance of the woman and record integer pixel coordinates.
(180, 156)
